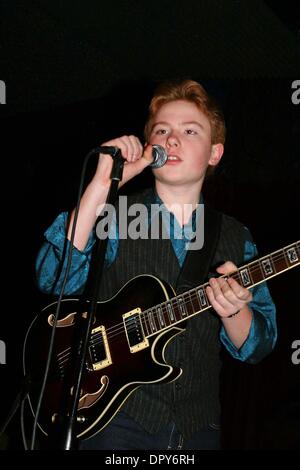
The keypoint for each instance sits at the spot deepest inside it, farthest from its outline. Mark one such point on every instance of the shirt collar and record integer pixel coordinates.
(152, 198)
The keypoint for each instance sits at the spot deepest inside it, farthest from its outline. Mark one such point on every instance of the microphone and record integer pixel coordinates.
(158, 153)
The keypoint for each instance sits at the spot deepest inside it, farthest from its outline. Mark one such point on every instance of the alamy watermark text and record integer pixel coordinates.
(154, 221)
(2, 352)
(2, 92)
(296, 94)
(296, 354)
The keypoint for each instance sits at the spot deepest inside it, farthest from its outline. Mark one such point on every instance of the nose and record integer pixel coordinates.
(172, 140)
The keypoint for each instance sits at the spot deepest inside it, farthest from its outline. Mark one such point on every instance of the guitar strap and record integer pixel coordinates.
(197, 263)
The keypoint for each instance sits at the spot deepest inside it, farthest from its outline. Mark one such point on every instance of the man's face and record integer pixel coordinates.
(185, 132)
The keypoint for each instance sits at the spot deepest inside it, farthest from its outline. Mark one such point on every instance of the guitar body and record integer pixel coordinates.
(121, 355)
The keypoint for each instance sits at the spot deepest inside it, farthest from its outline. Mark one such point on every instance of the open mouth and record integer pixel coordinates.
(173, 158)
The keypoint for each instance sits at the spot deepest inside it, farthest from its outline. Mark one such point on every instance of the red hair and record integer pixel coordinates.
(193, 92)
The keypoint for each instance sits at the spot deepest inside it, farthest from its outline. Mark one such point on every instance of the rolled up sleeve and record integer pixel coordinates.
(52, 260)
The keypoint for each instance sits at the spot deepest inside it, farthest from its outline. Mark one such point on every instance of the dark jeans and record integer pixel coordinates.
(123, 433)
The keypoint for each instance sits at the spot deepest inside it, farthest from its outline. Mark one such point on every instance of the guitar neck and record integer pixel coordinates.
(194, 301)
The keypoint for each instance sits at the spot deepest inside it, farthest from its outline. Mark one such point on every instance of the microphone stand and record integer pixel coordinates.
(64, 429)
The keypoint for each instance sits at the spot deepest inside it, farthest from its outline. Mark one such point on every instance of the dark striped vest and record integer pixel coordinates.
(192, 401)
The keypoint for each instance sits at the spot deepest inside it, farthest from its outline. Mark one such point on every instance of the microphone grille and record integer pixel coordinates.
(159, 156)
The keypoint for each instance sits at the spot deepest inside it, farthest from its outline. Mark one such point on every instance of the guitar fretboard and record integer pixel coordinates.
(194, 301)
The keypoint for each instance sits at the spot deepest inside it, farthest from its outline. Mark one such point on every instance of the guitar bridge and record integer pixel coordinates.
(135, 331)
(99, 349)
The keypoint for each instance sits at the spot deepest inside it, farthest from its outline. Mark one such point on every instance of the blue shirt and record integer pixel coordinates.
(263, 331)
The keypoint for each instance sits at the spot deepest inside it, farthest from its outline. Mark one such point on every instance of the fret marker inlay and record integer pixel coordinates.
(267, 266)
(170, 312)
(202, 297)
(182, 308)
(245, 277)
(160, 316)
(292, 255)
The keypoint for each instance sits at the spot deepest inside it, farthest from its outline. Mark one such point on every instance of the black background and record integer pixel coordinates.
(77, 75)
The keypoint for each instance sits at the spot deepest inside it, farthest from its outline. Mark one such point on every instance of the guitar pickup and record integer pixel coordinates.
(99, 349)
(135, 331)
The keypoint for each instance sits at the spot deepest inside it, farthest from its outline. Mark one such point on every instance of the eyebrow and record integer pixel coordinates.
(164, 123)
(197, 123)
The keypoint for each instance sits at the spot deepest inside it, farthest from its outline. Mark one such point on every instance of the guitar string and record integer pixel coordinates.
(191, 293)
(119, 327)
(116, 329)
(113, 337)
(155, 315)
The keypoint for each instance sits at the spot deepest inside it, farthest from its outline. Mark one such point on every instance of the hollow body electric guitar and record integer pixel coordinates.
(126, 347)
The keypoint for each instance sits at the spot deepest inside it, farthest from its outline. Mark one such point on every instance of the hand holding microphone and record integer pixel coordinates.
(136, 157)
(159, 155)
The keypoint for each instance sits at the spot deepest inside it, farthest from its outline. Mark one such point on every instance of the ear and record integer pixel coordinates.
(216, 154)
